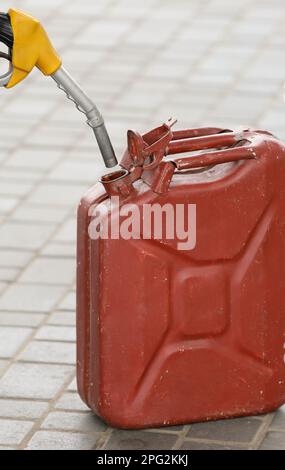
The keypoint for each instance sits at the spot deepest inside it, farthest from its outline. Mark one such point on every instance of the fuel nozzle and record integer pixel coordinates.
(84, 104)
(30, 47)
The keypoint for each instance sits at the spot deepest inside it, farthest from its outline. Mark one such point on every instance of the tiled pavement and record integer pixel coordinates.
(204, 61)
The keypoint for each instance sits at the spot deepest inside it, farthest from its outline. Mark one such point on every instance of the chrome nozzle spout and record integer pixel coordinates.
(85, 105)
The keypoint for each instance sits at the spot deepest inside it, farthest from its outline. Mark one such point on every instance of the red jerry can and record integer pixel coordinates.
(169, 336)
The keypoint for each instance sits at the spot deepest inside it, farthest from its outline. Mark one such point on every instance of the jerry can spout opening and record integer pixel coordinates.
(114, 176)
(117, 183)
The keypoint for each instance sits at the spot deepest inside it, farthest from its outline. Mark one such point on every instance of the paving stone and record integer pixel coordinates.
(22, 409)
(73, 385)
(40, 214)
(30, 298)
(194, 445)
(109, 32)
(29, 109)
(50, 271)
(83, 422)
(34, 158)
(3, 365)
(3, 286)
(49, 352)
(7, 204)
(20, 235)
(69, 302)
(13, 432)
(239, 430)
(18, 182)
(3, 155)
(279, 419)
(8, 274)
(49, 137)
(12, 188)
(128, 440)
(57, 194)
(273, 441)
(21, 319)
(13, 258)
(76, 172)
(34, 381)
(56, 333)
(71, 401)
(62, 318)
(53, 440)
(67, 233)
(11, 339)
(58, 249)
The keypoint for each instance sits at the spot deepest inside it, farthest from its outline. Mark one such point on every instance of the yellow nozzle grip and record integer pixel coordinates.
(31, 48)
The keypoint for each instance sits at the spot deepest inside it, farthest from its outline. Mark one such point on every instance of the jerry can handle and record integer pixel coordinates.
(203, 142)
(198, 132)
(215, 158)
(231, 146)
(223, 147)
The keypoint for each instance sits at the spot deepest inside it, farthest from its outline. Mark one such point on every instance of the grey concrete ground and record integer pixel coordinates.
(203, 61)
